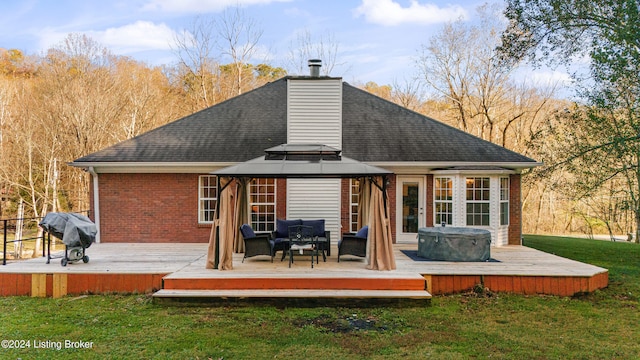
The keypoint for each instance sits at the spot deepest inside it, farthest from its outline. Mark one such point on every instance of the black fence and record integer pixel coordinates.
(32, 222)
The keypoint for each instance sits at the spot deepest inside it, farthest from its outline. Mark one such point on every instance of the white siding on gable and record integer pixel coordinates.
(312, 199)
(314, 112)
(314, 116)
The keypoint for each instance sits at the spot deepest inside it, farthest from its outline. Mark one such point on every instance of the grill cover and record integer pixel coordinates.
(74, 230)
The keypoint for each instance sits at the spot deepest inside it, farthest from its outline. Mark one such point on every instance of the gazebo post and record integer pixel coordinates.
(216, 262)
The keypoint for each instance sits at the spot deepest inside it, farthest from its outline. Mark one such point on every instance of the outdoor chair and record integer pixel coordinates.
(280, 235)
(256, 244)
(302, 239)
(354, 244)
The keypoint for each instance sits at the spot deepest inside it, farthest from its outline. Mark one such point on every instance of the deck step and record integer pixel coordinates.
(416, 283)
(294, 294)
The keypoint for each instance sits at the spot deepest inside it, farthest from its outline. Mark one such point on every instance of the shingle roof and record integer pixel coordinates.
(375, 129)
(235, 130)
(241, 128)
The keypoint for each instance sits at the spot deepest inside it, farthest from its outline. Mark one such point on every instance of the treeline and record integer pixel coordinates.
(78, 98)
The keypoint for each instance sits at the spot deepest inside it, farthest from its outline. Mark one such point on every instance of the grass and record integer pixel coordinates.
(488, 325)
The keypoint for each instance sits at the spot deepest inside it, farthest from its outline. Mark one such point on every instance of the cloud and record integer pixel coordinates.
(549, 77)
(200, 6)
(138, 36)
(390, 13)
(123, 40)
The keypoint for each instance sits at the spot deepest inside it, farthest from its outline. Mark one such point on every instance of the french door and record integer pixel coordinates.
(410, 207)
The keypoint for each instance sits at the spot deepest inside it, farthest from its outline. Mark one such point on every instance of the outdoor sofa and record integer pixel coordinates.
(280, 235)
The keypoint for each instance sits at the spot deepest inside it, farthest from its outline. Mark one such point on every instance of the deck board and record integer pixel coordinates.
(143, 267)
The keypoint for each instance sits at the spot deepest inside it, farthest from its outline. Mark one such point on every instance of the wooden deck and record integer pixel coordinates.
(178, 271)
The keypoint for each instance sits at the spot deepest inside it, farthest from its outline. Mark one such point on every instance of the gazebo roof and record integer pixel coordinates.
(302, 161)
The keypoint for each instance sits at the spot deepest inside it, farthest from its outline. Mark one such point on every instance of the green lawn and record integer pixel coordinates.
(603, 325)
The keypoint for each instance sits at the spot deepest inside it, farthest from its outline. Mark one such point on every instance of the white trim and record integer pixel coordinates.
(96, 202)
(152, 167)
(501, 201)
(201, 199)
(408, 168)
(421, 180)
(471, 172)
(397, 167)
(249, 188)
(352, 204)
(452, 201)
(489, 202)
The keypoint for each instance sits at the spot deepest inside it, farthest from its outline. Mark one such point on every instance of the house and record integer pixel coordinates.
(158, 187)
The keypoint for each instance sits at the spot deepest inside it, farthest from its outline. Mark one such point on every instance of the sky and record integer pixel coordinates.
(378, 40)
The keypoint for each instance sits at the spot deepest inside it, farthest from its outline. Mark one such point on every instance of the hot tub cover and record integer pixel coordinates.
(75, 230)
(454, 244)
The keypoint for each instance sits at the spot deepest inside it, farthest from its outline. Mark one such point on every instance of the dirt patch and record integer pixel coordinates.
(344, 325)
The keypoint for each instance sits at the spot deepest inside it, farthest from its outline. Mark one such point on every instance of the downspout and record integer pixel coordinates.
(96, 201)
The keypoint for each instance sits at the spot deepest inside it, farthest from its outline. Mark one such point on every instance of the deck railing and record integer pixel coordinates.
(12, 224)
(8, 224)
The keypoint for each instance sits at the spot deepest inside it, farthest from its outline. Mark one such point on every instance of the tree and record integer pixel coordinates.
(240, 36)
(198, 68)
(407, 94)
(461, 67)
(305, 48)
(603, 139)
(266, 73)
(80, 99)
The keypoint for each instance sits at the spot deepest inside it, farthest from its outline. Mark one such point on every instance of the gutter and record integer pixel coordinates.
(408, 167)
(96, 201)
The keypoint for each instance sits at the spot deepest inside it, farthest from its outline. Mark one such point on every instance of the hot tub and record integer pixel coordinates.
(454, 244)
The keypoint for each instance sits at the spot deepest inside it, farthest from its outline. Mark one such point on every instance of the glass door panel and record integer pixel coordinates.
(410, 207)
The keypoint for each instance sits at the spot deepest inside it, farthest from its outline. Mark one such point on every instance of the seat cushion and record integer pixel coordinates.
(247, 231)
(317, 225)
(363, 232)
(282, 227)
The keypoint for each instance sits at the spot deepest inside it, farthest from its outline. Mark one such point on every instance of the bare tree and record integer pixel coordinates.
(240, 36)
(408, 93)
(198, 67)
(325, 48)
(446, 67)
(461, 66)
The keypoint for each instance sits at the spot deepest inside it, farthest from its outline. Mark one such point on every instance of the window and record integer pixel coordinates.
(354, 205)
(443, 201)
(478, 201)
(207, 198)
(262, 199)
(504, 201)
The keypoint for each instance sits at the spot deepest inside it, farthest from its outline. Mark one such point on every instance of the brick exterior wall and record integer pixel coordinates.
(164, 207)
(429, 200)
(345, 206)
(515, 210)
(281, 198)
(150, 208)
(391, 192)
